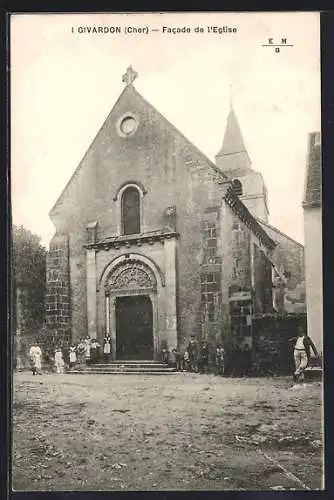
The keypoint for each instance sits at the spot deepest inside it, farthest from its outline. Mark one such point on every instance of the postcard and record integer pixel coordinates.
(167, 252)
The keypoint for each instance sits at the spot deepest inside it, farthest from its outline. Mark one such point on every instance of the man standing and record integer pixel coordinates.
(302, 354)
(193, 354)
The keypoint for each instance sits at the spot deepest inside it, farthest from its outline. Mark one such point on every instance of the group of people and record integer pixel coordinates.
(86, 351)
(195, 358)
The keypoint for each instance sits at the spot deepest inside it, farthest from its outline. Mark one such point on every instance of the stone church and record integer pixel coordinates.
(155, 242)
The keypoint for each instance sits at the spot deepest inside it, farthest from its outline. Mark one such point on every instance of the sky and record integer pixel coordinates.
(64, 84)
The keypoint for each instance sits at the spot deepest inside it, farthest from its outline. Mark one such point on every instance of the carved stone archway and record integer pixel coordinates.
(131, 276)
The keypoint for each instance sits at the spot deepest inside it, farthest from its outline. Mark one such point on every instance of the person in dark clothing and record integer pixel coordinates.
(237, 361)
(193, 354)
(164, 354)
(247, 360)
(94, 351)
(178, 359)
(204, 357)
(220, 360)
(107, 348)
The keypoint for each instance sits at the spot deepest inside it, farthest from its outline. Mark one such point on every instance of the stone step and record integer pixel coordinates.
(135, 367)
(166, 371)
(313, 373)
(125, 365)
(124, 368)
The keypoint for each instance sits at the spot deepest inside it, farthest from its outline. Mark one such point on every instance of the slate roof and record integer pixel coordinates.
(313, 181)
(265, 226)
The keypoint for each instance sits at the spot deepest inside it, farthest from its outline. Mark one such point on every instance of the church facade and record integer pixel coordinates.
(155, 242)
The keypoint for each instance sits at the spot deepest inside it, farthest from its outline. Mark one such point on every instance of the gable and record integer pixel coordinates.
(136, 142)
(131, 105)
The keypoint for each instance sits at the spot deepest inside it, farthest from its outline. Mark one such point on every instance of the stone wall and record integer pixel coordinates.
(263, 298)
(241, 280)
(288, 255)
(58, 302)
(272, 344)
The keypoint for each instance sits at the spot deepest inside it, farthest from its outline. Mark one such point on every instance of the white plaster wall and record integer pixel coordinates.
(313, 274)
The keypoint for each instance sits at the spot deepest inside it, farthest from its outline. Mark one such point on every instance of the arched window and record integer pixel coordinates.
(130, 211)
(237, 187)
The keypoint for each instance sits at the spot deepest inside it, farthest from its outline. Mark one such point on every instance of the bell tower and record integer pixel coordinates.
(234, 161)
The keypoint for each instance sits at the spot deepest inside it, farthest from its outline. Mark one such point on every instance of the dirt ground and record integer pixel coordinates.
(168, 432)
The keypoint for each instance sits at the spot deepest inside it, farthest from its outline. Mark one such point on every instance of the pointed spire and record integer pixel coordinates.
(233, 153)
(233, 141)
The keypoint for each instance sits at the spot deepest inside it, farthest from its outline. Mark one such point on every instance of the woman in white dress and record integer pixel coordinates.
(73, 355)
(35, 354)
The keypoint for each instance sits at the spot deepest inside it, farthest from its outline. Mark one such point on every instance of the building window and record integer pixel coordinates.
(131, 211)
(210, 294)
(237, 187)
(210, 241)
(127, 125)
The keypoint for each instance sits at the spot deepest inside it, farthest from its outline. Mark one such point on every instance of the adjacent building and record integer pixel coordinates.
(313, 240)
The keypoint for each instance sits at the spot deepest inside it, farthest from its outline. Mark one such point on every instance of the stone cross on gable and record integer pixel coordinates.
(130, 76)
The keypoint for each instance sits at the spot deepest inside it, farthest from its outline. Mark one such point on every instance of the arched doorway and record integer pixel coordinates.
(134, 327)
(130, 290)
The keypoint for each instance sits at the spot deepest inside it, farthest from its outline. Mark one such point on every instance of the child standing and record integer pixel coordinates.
(59, 362)
(164, 353)
(94, 351)
(186, 361)
(220, 360)
(178, 359)
(172, 357)
(107, 348)
(88, 344)
(204, 357)
(73, 356)
(81, 352)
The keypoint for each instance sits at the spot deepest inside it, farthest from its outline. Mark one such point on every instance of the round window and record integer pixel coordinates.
(128, 125)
